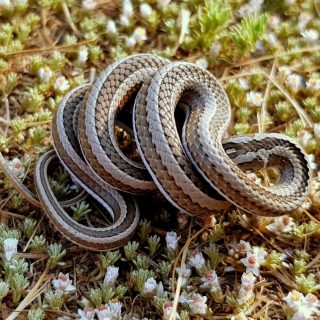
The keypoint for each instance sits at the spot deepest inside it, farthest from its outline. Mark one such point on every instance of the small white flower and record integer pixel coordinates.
(304, 19)
(311, 301)
(272, 39)
(202, 63)
(244, 247)
(294, 82)
(260, 46)
(83, 55)
(316, 130)
(274, 21)
(115, 308)
(312, 162)
(184, 297)
(63, 283)
(255, 98)
(253, 260)
(253, 7)
(185, 273)
(145, 10)
(111, 275)
(127, 8)
(172, 240)
(61, 84)
(5, 4)
(304, 137)
(240, 316)
(10, 247)
(294, 299)
(167, 310)
(88, 4)
(197, 304)
(86, 314)
(303, 306)
(302, 314)
(244, 84)
(247, 286)
(162, 4)
(196, 260)
(16, 167)
(131, 42)
(313, 84)
(149, 287)
(284, 72)
(245, 10)
(111, 27)
(124, 21)
(216, 48)
(45, 74)
(104, 312)
(310, 35)
(210, 281)
(282, 224)
(139, 34)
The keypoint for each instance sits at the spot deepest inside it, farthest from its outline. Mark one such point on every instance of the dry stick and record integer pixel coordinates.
(183, 251)
(11, 214)
(316, 6)
(34, 256)
(44, 28)
(38, 123)
(34, 232)
(30, 296)
(185, 19)
(265, 99)
(6, 105)
(69, 18)
(273, 56)
(56, 48)
(313, 262)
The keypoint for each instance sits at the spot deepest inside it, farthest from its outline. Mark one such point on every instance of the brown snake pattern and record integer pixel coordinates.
(191, 163)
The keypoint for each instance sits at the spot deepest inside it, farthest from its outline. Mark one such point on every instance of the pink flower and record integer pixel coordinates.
(63, 283)
(197, 304)
(86, 314)
(253, 260)
(196, 260)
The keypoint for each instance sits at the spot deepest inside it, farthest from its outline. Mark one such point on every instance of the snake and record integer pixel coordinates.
(179, 119)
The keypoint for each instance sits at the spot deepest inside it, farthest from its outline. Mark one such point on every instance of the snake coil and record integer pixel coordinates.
(192, 164)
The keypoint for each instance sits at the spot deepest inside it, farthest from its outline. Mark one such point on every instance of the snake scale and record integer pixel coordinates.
(190, 162)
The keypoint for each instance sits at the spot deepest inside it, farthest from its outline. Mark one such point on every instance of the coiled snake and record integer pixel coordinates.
(190, 163)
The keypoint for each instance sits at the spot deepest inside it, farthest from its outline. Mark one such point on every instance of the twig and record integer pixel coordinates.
(33, 293)
(67, 14)
(182, 252)
(265, 99)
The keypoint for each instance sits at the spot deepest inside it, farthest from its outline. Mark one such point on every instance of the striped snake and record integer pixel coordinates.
(190, 162)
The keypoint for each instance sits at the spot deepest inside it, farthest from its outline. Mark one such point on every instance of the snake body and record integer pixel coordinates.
(191, 163)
